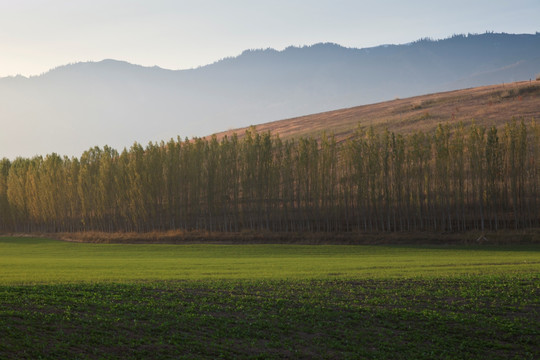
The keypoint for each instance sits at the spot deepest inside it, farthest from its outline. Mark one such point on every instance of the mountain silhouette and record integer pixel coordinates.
(74, 107)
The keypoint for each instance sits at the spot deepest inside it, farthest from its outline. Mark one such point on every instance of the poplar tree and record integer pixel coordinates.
(5, 211)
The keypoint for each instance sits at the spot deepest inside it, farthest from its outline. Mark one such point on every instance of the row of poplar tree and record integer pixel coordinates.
(453, 179)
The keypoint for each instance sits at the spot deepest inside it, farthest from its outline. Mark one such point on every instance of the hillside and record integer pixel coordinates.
(486, 105)
(77, 106)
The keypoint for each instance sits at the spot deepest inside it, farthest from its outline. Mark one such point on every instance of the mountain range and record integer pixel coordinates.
(74, 107)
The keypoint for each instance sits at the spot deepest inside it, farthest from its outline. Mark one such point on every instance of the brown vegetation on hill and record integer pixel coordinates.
(486, 106)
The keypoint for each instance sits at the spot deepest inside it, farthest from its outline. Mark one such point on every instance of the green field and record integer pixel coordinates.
(75, 300)
(45, 261)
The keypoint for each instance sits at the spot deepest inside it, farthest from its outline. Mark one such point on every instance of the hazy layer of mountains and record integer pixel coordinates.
(74, 107)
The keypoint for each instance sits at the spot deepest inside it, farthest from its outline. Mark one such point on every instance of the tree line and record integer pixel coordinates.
(454, 179)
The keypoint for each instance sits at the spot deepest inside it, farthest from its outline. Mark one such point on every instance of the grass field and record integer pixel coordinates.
(73, 300)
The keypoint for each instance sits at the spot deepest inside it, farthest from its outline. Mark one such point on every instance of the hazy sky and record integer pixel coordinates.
(37, 35)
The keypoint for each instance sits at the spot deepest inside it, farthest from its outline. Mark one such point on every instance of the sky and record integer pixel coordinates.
(38, 35)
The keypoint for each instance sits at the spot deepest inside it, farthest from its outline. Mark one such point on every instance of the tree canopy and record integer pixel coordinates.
(454, 179)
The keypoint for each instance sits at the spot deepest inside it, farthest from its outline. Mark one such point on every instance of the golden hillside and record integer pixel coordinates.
(486, 105)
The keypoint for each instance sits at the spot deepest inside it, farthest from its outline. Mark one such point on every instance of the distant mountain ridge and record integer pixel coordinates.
(74, 107)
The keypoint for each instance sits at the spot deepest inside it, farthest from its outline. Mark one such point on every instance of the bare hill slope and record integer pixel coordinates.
(486, 105)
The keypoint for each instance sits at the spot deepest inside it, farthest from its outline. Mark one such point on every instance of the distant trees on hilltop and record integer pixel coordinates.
(454, 179)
